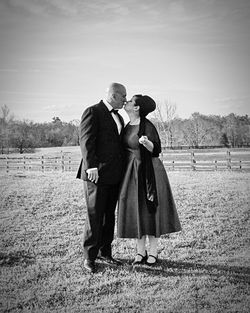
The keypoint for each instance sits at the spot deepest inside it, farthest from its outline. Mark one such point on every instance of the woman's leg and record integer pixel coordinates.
(141, 245)
(152, 255)
(141, 250)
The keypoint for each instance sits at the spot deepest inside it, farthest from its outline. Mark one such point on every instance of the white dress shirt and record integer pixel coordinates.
(115, 117)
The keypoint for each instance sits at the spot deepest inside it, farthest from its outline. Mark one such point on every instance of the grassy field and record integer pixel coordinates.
(204, 268)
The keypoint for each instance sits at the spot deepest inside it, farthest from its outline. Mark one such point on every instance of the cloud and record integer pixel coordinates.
(9, 70)
(30, 96)
(31, 6)
(46, 7)
(71, 7)
(238, 105)
(233, 99)
(175, 18)
(50, 107)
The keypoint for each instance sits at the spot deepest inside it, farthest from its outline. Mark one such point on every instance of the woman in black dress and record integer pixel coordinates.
(146, 207)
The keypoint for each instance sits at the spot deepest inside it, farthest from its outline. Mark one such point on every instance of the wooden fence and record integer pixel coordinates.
(70, 162)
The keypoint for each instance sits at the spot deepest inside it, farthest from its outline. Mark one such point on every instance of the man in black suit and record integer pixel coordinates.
(101, 169)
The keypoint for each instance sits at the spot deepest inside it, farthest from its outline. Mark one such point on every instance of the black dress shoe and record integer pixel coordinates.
(142, 259)
(152, 263)
(109, 260)
(89, 266)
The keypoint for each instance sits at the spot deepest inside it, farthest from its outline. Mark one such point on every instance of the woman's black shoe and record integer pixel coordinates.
(141, 260)
(152, 263)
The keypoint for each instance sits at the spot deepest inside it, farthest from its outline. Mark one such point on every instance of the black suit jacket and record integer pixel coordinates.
(101, 145)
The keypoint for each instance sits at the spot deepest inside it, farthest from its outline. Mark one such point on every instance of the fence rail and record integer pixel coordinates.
(39, 163)
(70, 162)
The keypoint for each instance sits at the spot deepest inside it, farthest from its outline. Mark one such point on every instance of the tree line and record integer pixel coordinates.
(201, 130)
(195, 132)
(25, 135)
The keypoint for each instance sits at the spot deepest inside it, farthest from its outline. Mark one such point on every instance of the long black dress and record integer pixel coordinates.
(134, 218)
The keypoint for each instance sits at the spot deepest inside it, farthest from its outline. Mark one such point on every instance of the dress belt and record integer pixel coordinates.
(133, 154)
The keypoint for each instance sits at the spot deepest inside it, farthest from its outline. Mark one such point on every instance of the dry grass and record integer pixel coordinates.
(204, 268)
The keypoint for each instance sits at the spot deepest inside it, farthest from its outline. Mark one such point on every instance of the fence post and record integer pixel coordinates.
(7, 164)
(42, 163)
(69, 163)
(62, 161)
(24, 163)
(173, 165)
(192, 161)
(240, 166)
(215, 165)
(229, 166)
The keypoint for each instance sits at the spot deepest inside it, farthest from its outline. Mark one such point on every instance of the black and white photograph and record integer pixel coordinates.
(125, 156)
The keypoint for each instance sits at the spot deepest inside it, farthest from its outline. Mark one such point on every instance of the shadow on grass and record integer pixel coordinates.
(16, 258)
(179, 268)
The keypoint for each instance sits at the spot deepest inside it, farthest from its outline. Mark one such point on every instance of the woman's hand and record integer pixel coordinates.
(143, 140)
(93, 174)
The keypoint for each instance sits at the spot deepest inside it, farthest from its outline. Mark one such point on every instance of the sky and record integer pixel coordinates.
(58, 56)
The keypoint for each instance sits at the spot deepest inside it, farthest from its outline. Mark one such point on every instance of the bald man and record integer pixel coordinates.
(101, 169)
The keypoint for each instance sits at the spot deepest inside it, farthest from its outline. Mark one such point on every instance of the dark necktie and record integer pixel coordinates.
(119, 117)
(114, 111)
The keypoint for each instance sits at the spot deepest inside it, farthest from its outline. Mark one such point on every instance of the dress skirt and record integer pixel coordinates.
(134, 219)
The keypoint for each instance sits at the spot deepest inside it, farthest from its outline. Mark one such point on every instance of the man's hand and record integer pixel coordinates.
(93, 174)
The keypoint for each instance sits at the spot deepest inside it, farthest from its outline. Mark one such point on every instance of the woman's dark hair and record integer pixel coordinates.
(145, 103)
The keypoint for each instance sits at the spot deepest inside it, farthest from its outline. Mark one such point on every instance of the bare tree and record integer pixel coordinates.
(166, 112)
(76, 134)
(5, 120)
(22, 136)
(196, 130)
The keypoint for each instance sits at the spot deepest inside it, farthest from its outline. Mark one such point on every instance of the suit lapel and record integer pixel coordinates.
(122, 123)
(110, 118)
(121, 120)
